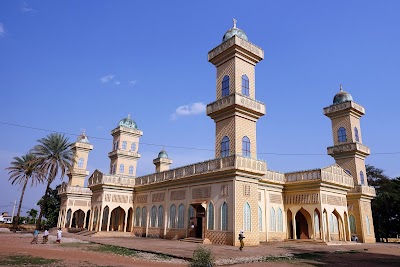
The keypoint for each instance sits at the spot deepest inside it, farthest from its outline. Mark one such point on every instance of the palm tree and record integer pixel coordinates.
(24, 169)
(32, 213)
(54, 155)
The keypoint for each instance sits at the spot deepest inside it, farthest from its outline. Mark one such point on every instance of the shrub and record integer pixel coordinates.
(202, 257)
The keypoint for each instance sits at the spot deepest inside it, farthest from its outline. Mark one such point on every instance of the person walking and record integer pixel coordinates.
(35, 236)
(45, 236)
(241, 237)
(59, 235)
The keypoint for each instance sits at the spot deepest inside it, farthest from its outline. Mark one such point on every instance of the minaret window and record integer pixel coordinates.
(210, 216)
(160, 216)
(225, 147)
(356, 134)
(121, 168)
(342, 135)
(348, 172)
(124, 145)
(224, 217)
(362, 180)
(247, 217)
(245, 85)
(225, 86)
(131, 170)
(115, 145)
(112, 171)
(246, 147)
(80, 163)
(133, 147)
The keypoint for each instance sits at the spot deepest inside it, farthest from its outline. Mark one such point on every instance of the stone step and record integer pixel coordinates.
(196, 240)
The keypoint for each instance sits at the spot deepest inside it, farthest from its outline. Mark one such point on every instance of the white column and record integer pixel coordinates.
(294, 226)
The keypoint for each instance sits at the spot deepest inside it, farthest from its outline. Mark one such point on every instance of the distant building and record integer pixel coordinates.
(5, 218)
(215, 199)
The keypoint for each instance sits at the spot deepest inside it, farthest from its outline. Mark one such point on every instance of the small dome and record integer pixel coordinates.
(234, 31)
(162, 154)
(82, 138)
(128, 123)
(342, 97)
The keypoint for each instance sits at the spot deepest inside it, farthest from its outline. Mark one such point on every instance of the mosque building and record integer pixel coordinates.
(213, 200)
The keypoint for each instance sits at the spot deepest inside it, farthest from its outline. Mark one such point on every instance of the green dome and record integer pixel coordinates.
(234, 31)
(162, 154)
(342, 97)
(128, 123)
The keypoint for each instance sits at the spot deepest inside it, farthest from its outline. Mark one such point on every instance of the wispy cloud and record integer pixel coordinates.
(2, 30)
(117, 82)
(26, 8)
(107, 78)
(133, 82)
(189, 110)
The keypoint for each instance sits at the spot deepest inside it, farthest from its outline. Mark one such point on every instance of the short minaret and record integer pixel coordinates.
(81, 149)
(235, 110)
(162, 162)
(124, 154)
(349, 152)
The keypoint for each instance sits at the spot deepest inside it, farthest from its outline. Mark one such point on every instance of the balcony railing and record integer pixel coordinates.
(338, 178)
(365, 190)
(124, 152)
(98, 178)
(237, 99)
(65, 188)
(276, 177)
(348, 147)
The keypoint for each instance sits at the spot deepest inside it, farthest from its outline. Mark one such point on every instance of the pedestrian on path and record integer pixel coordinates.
(45, 236)
(35, 236)
(59, 236)
(241, 237)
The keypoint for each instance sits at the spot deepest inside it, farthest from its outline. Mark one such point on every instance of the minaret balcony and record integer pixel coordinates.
(123, 153)
(76, 171)
(84, 146)
(364, 190)
(342, 108)
(65, 188)
(237, 103)
(349, 148)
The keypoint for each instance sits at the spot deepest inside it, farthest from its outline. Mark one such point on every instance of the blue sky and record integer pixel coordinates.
(73, 65)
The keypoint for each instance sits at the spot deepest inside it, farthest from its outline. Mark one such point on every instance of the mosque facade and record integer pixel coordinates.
(212, 201)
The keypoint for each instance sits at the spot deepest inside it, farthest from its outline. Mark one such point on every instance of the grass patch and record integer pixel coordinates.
(277, 258)
(164, 257)
(347, 251)
(16, 260)
(115, 250)
(309, 255)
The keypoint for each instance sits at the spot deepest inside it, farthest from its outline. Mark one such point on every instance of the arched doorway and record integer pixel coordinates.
(317, 227)
(104, 222)
(67, 223)
(302, 221)
(78, 219)
(87, 219)
(129, 221)
(289, 224)
(200, 216)
(95, 216)
(117, 222)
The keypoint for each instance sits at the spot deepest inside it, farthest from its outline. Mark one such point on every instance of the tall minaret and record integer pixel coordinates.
(124, 154)
(235, 110)
(349, 152)
(81, 149)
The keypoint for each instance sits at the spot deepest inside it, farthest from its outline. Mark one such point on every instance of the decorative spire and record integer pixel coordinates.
(341, 89)
(234, 23)
(129, 115)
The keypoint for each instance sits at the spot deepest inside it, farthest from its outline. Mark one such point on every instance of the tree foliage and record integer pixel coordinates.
(52, 206)
(202, 257)
(386, 205)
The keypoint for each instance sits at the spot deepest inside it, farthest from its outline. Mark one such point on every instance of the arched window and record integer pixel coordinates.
(131, 170)
(137, 218)
(352, 224)
(246, 147)
(224, 217)
(272, 220)
(260, 225)
(316, 222)
(362, 180)
(153, 216)
(115, 145)
(356, 134)
(121, 168)
(334, 223)
(133, 147)
(80, 163)
(181, 216)
(172, 216)
(245, 85)
(348, 172)
(113, 168)
(225, 86)
(124, 145)
(210, 216)
(247, 217)
(144, 216)
(342, 135)
(160, 216)
(280, 220)
(225, 147)
(191, 212)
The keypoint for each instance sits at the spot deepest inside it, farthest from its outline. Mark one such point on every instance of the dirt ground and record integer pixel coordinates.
(76, 252)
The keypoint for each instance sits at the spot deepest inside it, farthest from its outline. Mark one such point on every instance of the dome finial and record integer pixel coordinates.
(234, 23)
(340, 89)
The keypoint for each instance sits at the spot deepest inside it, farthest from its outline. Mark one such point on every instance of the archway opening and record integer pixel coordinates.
(67, 223)
(200, 219)
(289, 224)
(117, 219)
(302, 221)
(87, 219)
(78, 219)
(317, 226)
(104, 221)
(129, 221)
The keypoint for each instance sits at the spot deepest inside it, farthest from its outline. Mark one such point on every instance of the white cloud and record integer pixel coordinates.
(133, 82)
(26, 8)
(117, 82)
(189, 110)
(2, 30)
(107, 78)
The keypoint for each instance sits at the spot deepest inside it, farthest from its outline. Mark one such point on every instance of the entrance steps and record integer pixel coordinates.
(86, 233)
(197, 240)
(320, 242)
(112, 234)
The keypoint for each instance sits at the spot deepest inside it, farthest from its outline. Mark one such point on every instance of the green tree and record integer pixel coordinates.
(52, 207)
(386, 205)
(22, 171)
(54, 157)
(32, 213)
